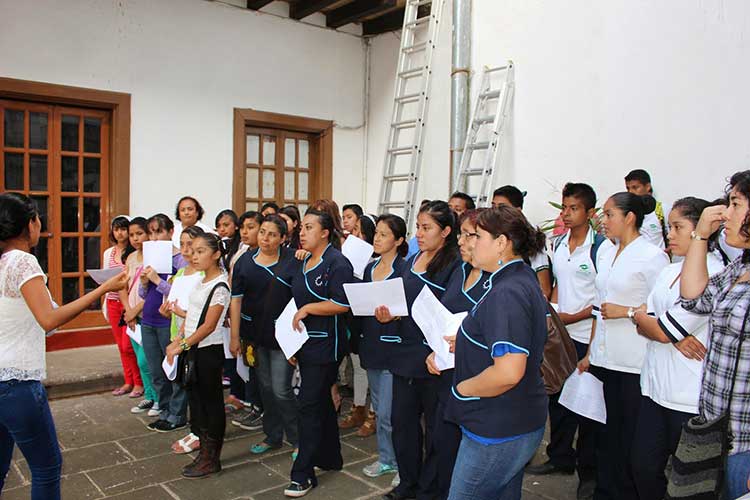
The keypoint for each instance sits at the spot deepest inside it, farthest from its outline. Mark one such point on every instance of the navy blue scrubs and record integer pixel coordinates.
(441, 452)
(510, 318)
(318, 358)
(414, 389)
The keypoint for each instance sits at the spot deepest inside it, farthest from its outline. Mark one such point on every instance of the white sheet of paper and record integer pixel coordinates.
(135, 334)
(227, 338)
(436, 321)
(243, 370)
(365, 297)
(181, 289)
(358, 252)
(289, 339)
(583, 394)
(169, 370)
(158, 255)
(102, 275)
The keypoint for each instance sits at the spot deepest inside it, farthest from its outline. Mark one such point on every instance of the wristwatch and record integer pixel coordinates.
(631, 314)
(696, 236)
(184, 345)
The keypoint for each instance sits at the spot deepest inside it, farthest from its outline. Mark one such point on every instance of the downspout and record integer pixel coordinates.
(460, 72)
(365, 120)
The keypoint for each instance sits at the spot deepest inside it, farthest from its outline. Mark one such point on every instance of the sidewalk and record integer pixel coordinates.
(86, 370)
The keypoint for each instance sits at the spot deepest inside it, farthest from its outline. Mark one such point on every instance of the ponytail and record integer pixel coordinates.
(16, 211)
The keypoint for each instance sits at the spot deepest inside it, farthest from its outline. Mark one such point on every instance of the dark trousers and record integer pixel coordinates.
(440, 456)
(622, 397)
(563, 426)
(319, 444)
(412, 399)
(657, 434)
(207, 394)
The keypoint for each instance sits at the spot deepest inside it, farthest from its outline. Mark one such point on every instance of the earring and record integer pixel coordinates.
(500, 262)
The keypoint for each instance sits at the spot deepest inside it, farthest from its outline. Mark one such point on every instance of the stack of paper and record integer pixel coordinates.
(365, 297)
(289, 339)
(358, 252)
(436, 322)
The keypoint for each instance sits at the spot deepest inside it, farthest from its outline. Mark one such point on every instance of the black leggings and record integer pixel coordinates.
(207, 394)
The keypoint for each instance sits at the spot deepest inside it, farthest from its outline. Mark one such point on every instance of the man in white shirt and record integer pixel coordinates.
(638, 182)
(574, 269)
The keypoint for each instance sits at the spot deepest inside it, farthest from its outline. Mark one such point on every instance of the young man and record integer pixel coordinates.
(508, 195)
(639, 182)
(574, 268)
(460, 202)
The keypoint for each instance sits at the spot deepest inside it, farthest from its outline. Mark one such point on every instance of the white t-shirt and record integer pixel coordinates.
(178, 231)
(539, 261)
(668, 377)
(198, 298)
(576, 274)
(22, 346)
(651, 229)
(626, 281)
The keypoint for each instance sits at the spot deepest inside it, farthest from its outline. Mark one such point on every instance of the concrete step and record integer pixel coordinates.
(85, 370)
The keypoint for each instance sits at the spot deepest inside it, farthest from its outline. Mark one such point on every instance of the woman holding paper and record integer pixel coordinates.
(258, 298)
(318, 288)
(673, 368)
(498, 397)
(414, 388)
(379, 340)
(465, 289)
(626, 274)
(26, 312)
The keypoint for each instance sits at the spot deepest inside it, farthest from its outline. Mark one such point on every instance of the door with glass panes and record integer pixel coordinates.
(59, 157)
(279, 168)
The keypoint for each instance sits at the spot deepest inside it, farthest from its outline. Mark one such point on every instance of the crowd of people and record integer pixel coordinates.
(655, 303)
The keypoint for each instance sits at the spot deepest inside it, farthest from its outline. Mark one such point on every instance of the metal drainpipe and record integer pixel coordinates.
(460, 72)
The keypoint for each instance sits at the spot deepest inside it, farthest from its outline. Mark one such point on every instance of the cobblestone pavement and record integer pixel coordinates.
(109, 453)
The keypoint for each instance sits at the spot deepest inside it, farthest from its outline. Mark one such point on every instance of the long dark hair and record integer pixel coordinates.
(638, 205)
(510, 222)
(231, 245)
(135, 221)
(214, 243)
(292, 240)
(398, 227)
(121, 222)
(278, 222)
(440, 212)
(332, 209)
(326, 222)
(162, 222)
(691, 208)
(16, 211)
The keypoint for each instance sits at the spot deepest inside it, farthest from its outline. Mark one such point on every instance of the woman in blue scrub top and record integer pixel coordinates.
(318, 289)
(378, 340)
(498, 397)
(258, 298)
(466, 286)
(414, 388)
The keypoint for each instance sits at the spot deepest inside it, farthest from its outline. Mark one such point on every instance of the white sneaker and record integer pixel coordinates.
(154, 412)
(143, 406)
(396, 481)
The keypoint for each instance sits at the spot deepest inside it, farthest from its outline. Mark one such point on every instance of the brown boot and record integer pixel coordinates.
(208, 461)
(368, 428)
(356, 417)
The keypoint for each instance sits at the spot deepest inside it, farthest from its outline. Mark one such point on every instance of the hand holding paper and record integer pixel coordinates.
(436, 322)
(364, 298)
(288, 338)
(102, 275)
(170, 370)
(583, 394)
(158, 255)
(358, 252)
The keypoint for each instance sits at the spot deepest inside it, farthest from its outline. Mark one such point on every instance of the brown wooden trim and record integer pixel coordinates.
(320, 179)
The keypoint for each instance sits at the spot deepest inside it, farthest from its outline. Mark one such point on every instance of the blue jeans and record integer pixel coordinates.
(381, 393)
(274, 375)
(492, 472)
(25, 420)
(737, 475)
(172, 397)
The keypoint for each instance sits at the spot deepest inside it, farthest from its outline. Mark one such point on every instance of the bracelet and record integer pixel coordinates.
(184, 345)
(696, 236)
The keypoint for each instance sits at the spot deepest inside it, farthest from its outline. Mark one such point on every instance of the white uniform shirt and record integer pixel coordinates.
(668, 377)
(651, 229)
(198, 298)
(626, 281)
(575, 274)
(539, 261)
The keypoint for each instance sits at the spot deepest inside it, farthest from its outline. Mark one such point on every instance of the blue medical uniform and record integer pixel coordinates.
(414, 389)
(435, 480)
(318, 358)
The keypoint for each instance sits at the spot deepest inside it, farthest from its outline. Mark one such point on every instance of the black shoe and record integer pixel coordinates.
(152, 426)
(296, 490)
(250, 421)
(395, 495)
(586, 489)
(164, 426)
(548, 468)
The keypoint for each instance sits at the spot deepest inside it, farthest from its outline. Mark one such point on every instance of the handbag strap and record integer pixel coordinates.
(204, 312)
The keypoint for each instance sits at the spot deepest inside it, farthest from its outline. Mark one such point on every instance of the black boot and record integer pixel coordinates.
(208, 461)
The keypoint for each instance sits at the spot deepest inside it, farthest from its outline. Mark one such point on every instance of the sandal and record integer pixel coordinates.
(233, 404)
(135, 394)
(188, 444)
(262, 448)
(368, 428)
(121, 391)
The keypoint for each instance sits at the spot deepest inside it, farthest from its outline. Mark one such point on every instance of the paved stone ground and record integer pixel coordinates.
(109, 453)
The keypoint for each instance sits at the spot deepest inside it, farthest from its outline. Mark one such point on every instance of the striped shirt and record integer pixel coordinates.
(727, 305)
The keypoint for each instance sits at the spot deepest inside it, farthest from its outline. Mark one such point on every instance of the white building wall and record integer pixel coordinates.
(187, 64)
(601, 88)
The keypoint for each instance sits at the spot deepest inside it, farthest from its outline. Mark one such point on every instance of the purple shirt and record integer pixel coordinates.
(153, 296)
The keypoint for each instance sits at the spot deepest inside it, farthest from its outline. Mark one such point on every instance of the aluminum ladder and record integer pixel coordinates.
(479, 137)
(403, 157)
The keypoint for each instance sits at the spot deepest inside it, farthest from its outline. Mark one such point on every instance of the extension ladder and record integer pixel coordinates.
(482, 138)
(403, 157)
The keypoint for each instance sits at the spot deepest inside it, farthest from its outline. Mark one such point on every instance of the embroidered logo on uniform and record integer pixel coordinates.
(653, 226)
(319, 280)
(486, 284)
(584, 267)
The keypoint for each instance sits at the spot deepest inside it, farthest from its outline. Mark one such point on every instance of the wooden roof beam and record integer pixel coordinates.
(304, 8)
(393, 21)
(257, 4)
(358, 10)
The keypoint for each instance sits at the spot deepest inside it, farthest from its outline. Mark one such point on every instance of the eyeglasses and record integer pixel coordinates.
(469, 235)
